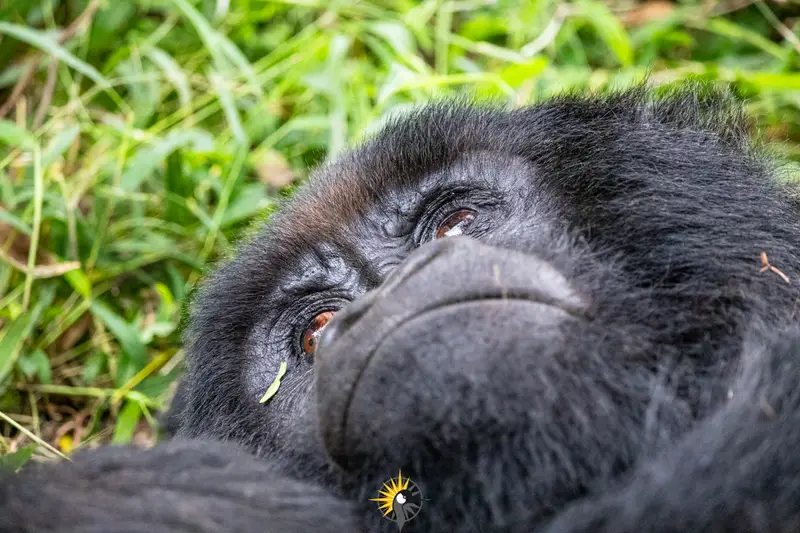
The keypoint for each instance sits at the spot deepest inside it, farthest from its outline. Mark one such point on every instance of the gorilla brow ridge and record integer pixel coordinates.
(432, 137)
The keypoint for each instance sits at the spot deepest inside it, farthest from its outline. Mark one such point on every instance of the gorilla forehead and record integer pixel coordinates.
(321, 239)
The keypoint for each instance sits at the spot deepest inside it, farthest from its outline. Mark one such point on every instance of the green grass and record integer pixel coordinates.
(139, 142)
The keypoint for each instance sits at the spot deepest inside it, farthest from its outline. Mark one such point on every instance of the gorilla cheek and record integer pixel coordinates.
(435, 380)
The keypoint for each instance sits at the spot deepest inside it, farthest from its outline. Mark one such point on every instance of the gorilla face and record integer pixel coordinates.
(514, 307)
(457, 314)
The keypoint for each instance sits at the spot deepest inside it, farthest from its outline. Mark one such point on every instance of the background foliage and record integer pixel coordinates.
(139, 138)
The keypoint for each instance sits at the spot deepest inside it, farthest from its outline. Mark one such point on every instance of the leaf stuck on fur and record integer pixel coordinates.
(275, 385)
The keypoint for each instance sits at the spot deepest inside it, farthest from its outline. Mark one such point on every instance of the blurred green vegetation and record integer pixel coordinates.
(139, 138)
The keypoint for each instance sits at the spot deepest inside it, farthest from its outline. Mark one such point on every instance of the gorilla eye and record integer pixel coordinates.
(312, 332)
(455, 224)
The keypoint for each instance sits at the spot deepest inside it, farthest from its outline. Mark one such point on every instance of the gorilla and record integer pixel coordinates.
(576, 316)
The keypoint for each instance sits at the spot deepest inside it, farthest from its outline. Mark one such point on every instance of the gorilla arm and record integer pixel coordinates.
(736, 472)
(181, 486)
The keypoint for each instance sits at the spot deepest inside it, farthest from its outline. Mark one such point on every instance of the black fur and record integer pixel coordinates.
(602, 352)
(737, 471)
(187, 487)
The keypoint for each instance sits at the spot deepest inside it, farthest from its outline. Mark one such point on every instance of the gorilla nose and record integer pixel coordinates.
(445, 314)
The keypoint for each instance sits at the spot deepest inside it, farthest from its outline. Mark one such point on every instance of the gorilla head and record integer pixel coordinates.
(514, 307)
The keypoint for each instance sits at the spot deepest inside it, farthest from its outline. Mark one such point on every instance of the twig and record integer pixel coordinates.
(718, 9)
(19, 88)
(68, 33)
(77, 24)
(10, 421)
(767, 266)
(779, 26)
(47, 94)
(549, 34)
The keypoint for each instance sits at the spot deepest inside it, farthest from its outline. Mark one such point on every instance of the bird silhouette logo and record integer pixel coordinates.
(400, 500)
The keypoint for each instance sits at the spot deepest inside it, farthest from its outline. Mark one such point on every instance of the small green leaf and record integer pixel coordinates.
(275, 385)
(167, 306)
(93, 365)
(156, 385)
(13, 336)
(36, 363)
(78, 281)
(126, 423)
(15, 221)
(249, 202)
(14, 461)
(13, 135)
(11, 343)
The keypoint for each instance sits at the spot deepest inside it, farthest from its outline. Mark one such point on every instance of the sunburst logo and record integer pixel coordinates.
(400, 500)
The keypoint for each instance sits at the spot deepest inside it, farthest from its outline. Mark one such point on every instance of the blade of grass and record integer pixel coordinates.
(229, 108)
(38, 199)
(133, 349)
(47, 44)
(147, 159)
(222, 50)
(15, 333)
(172, 70)
(13, 135)
(128, 417)
(10, 421)
(153, 366)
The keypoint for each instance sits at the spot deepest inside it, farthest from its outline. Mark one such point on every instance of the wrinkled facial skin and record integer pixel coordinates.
(589, 314)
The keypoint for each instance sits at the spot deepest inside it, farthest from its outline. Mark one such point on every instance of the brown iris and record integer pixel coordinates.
(455, 224)
(313, 332)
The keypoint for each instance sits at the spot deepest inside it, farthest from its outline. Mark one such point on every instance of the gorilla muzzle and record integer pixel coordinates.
(394, 363)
